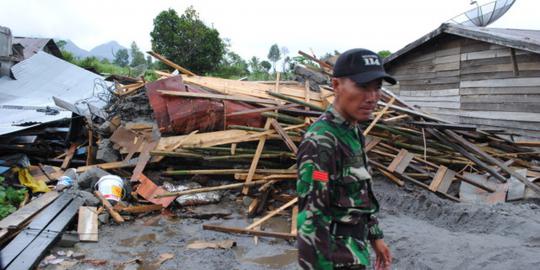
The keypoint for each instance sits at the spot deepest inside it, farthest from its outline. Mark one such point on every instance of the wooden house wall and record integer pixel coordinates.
(473, 82)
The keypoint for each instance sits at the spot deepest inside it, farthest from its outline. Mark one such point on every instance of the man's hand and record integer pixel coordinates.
(384, 258)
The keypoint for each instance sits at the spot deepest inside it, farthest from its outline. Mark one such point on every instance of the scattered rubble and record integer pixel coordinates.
(185, 140)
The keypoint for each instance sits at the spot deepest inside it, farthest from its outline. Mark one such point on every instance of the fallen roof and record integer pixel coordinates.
(528, 40)
(35, 45)
(37, 80)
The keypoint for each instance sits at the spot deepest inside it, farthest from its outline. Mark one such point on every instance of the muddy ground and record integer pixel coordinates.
(422, 230)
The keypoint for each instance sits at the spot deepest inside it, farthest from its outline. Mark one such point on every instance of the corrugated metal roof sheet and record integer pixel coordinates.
(37, 80)
(35, 45)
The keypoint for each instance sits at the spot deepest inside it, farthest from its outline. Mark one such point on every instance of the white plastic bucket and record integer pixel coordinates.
(111, 186)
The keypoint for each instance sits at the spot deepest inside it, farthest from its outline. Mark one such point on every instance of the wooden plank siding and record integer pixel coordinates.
(472, 82)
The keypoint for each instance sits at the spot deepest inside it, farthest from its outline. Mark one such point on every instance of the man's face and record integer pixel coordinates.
(356, 102)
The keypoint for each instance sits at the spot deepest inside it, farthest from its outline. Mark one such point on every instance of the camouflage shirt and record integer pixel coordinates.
(334, 190)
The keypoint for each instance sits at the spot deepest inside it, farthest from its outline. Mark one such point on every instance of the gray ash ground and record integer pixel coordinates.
(422, 230)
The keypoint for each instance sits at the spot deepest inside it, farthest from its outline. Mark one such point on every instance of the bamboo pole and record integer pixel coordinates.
(296, 101)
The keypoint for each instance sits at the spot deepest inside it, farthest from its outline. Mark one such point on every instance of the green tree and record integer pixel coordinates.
(187, 41)
(274, 55)
(232, 65)
(137, 57)
(121, 58)
(255, 64)
(266, 65)
(384, 53)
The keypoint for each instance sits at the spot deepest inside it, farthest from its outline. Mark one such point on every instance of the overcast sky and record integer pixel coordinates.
(253, 26)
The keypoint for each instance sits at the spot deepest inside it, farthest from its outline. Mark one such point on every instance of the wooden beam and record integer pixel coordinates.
(171, 63)
(379, 115)
(294, 221)
(288, 141)
(87, 226)
(255, 161)
(271, 214)
(139, 209)
(116, 217)
(69, 155)
(493, 160)
(286, 236)
(217, 96)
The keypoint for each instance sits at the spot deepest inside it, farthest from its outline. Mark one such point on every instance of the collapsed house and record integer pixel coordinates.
(488, 77)
(185, 140)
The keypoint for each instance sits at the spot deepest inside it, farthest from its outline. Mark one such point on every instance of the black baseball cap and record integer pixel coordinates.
(361, 66)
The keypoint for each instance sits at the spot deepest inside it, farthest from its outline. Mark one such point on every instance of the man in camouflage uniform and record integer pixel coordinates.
(337, 206)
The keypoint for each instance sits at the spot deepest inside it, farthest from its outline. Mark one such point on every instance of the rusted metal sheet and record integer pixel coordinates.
(148, 190)
(181, 115)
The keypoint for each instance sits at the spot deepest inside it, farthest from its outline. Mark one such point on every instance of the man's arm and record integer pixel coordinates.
(316, 169)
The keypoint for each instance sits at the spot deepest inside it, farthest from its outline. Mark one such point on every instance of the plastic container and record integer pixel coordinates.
(111, 187)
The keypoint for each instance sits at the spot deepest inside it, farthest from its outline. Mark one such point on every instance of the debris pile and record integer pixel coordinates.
(186, 140)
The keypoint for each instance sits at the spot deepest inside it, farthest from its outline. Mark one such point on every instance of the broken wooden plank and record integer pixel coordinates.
(87, 226)
(110, 165)
(493, 160)
(280, 235)
(290, 144)
(171, 63)
(38, 224)
(69, 155)
(379, 115)
(294, 221)
(442, 180)
(37, 249)
(116, 217)
(400, 163)
(255, 161)
(15, 220)
(271, 214)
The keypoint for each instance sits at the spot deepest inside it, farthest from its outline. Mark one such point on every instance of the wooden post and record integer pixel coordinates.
(294, 222)
(255, 160)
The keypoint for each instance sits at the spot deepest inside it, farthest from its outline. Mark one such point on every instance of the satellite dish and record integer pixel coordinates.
(483, 15)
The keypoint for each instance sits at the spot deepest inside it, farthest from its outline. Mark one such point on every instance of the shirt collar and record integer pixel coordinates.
(336, 118)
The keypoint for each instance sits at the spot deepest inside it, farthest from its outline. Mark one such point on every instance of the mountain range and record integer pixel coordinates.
(105, 50)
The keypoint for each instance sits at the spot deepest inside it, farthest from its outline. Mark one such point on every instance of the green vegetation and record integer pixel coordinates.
(10, 198)
(384, 53)
(187, 41)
